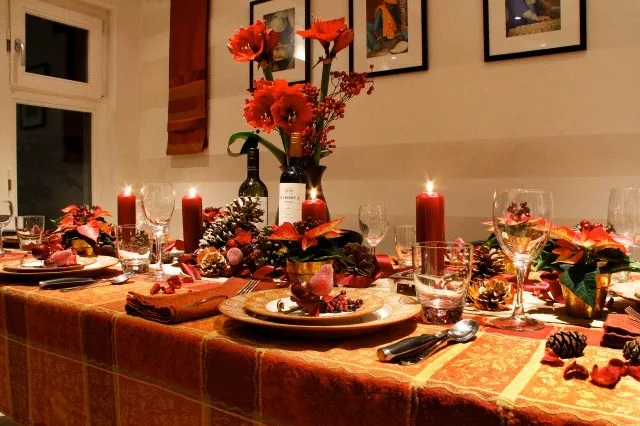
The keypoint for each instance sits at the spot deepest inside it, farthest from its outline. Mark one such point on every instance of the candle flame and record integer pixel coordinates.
(127, 190)
(314, 193)
(429, 187)
(192, 192)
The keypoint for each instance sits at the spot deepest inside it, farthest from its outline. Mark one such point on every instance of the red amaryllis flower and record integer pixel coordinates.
(292, 112)
(326, 32)
(255, 43)
(257, 111)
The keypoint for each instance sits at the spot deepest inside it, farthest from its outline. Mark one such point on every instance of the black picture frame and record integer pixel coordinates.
(388, 64)
(566, 31)
(258, 10)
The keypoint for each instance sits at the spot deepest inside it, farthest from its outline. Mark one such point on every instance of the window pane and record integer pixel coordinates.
(55, 49)
(54, 159)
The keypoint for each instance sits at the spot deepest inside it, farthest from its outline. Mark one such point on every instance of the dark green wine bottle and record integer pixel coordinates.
(254, 187)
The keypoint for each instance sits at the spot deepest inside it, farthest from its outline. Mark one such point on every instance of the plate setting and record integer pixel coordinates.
(88, 266)
(33, 265)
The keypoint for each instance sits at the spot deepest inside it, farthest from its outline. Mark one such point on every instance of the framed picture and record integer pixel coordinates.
(521, 28)
(291, 55)
(391, 35)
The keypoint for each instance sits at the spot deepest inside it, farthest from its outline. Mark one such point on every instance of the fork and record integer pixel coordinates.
(632, 312)
(248, 288)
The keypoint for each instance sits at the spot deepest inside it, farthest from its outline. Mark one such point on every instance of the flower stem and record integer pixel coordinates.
(268, 73)
(324, 89)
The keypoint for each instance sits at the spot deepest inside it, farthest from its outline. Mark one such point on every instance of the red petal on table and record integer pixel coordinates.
(286, 231)
(634, 371)
(618, 365)
(550, 358)
(607, 376)
(190, 270)
(91, 230)
(575, 371)
(169, 247)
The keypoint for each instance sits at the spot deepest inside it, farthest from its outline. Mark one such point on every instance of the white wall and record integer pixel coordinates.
(568, 122)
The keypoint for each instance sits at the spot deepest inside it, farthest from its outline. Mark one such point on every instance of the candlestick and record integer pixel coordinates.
(429, 215)
(191, 220)
(127, 207)
(314, 208)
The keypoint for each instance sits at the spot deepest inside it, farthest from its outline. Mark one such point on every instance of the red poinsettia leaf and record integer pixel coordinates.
(91, 230)
(243, 237)
(606, 377)
(70, 209)
(634, 371)
(323, 229)
(575, 371)
(334, 234)
(308, 242)
(100, 212)
(286, 231)
(567, 255)
(105, 227)
(550, 358)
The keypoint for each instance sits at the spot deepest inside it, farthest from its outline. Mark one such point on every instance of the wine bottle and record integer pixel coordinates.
(254, 187)
(293, 184)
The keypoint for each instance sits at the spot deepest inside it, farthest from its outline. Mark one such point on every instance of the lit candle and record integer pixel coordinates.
(429, 215)
(127, 207)
(191, 220)
(314, 208)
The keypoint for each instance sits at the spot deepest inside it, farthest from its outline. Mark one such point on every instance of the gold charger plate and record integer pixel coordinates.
(32, 265)
(97, 264)
(397, 308)
(265, 303)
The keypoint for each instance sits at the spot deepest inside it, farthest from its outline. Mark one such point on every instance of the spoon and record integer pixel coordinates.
(461, 332)
(120, 279)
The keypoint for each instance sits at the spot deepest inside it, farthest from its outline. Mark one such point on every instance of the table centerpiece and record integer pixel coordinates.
(84, 228)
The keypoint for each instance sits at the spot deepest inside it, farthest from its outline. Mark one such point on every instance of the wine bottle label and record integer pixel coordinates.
(290, 204)
(263, 202)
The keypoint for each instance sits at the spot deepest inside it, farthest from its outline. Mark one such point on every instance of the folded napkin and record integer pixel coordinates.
(169, 309)
(618, 329)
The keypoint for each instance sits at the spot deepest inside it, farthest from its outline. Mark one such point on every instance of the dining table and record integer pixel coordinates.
(77, 358)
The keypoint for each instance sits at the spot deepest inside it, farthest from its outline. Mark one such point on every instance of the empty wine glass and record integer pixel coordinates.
(6, 213)
(624, 218)
(522, 223)
(374, 224)
(158, 201)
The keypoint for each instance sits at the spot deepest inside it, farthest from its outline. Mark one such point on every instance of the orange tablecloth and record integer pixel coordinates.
(77, 358)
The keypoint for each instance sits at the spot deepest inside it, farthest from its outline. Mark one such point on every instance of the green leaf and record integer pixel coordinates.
(252, 139)
(581, 281)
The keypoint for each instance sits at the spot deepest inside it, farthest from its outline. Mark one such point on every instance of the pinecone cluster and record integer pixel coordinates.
(493, 294)
(266, 252)
(243, 212)
(487, 262)
(359, 261)
(631, 351)
(214, 264)
(567, 344)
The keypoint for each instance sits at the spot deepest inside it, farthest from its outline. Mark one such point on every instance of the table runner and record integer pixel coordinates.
(76, 358)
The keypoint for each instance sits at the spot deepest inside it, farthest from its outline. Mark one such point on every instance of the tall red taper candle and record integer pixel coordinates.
(429, 215)
(126, 207)
(314, 208)
(191, 220)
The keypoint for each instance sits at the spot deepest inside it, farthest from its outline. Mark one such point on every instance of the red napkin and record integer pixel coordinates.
(618, 329)
(169, 309)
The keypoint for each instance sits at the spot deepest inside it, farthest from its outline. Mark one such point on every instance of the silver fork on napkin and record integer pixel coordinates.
(248, 288)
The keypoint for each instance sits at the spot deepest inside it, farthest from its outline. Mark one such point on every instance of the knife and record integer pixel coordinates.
(409, 345)
(64, 283)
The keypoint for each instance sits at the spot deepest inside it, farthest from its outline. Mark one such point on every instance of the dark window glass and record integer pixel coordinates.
(54, 160)
(56, 50)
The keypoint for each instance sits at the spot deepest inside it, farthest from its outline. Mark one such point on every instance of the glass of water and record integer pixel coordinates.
(29, 230)
(6, 213)
(441, 274)
(134, 248)
(623, 215)
(404, 238)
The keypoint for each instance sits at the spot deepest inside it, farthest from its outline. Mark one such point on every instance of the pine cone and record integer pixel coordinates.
(213, 265)
(266, 252)
(493, 294)
(243, 212)
(631, 351)
(360, 261)
(567, 344)
(487, 262)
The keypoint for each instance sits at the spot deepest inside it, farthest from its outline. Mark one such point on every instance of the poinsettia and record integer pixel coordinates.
(84, 222)
(584, 253)
(287, 232)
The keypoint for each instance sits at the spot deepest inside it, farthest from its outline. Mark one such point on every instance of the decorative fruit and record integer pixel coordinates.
(322, 282)
(40, 252)
(300, 289)
(234, 256)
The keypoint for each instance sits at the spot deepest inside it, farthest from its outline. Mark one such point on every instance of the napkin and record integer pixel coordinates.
(618, 329)
(169, 309)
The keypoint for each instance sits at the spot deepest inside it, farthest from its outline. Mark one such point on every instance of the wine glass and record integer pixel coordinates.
(6, 213)
(522, 223)
(158, 201)
(374, 224)
(623, 217)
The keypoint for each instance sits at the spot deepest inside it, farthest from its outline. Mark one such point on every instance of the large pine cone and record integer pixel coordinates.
(243, 212)
(493, 294)
(487, 262)
(567, 344)
(266, 252)
(359, 261)
(213, 265)
(631, 351)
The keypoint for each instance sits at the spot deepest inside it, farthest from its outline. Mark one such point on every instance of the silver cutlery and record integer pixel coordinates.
(635, 314)
(120, 279)
(461, 332)
(248, 288)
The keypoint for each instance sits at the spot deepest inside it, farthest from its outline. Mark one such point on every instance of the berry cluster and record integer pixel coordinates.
(340, 303)
(50, 244)
(586, 225)
(520, 212)
(305, 225)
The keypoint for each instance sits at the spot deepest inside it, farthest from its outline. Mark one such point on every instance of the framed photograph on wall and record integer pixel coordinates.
(521, 28)
(291, 55)
(391, 35)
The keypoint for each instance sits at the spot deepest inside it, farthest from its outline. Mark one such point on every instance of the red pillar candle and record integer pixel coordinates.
(314, 208)
(127, 207)
(191, 220)
(429, 215)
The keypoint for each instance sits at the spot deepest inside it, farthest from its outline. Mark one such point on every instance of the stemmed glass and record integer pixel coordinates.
(6, 213)
(624, 218)
(374, 224)
(522, 223)
(158, 201)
